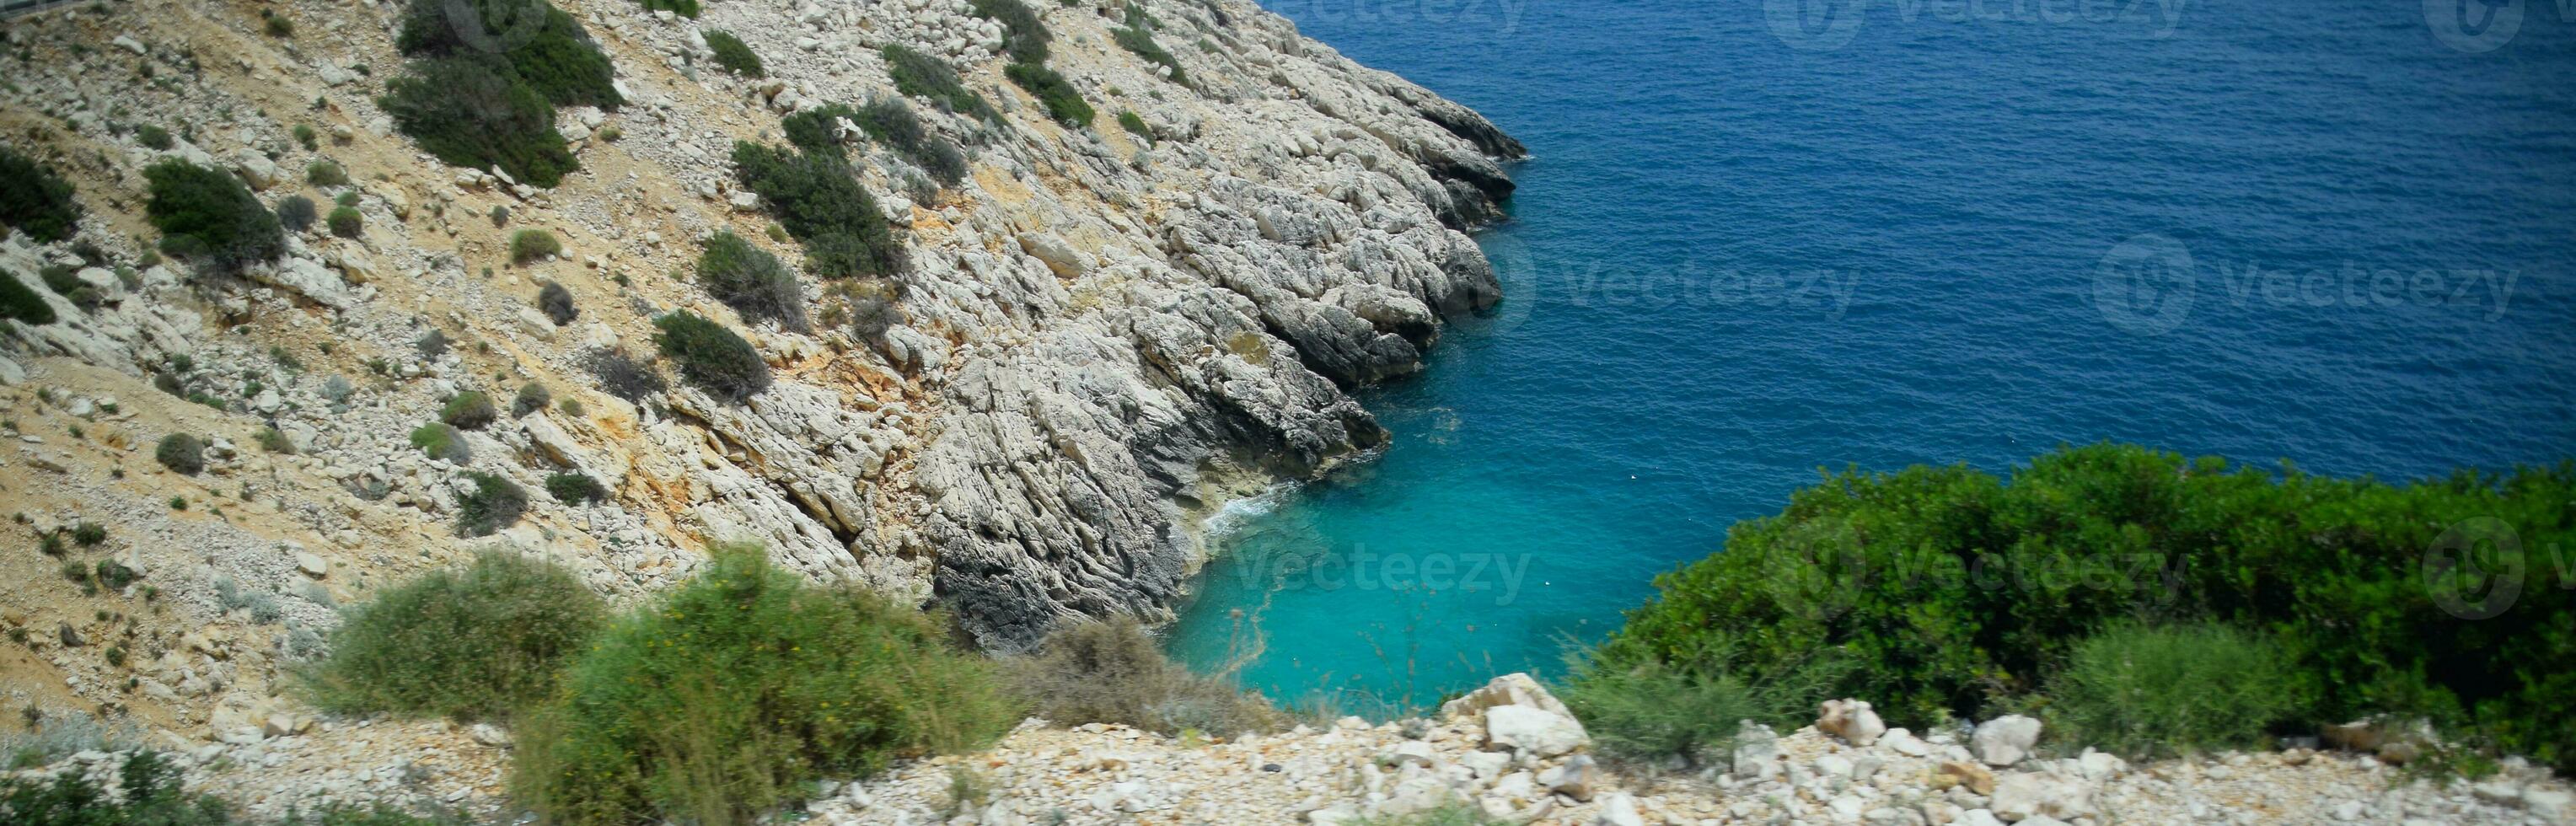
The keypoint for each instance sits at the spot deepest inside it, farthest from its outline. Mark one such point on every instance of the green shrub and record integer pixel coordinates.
(468, 111)
(819, 200)
(153, 137)
(274, 441)
(1135, 125)
(727, 696)
(181, 453)
(114, 575)
(552, 56)
(751, 281)
(1138, 37)
(919, 74)
(575, 488)
(347, 222)
(1113, 671)
(89, 534)
(149, 794)
(1654, 712)
(1024, 38)
(711, 358)
(533, 244)
(277, 25)
(36, 201)
(443, 441)
(890, 121)
(683, 8)
(475, 643)
(2159, 692)
(625, 376)
(306, 137)
(810, 131)
(500, 215)
(1062, 102)
(296, 213)
(432, 344)
(494, 504)
(1952, 588)
(556, 303)
(532, 398)
(732, 54)
(208, 215)
(325, 173)
(21, 302)
(471, 410)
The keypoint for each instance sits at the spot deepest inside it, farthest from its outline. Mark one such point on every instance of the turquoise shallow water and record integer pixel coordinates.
(1742, 252)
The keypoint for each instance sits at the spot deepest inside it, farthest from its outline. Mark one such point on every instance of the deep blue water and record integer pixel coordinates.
(1738, 256)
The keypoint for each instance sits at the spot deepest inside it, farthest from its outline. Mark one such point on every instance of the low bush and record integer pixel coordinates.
(1959, 593)
(732, 54)
(148, 794)
(811, 131)
(471, 410)
(819, 200)
(890, 121)
(1135, 125)
(1652, 713)
(683, 8)
(556, 303)
(915, 73)
(500, 215)
(533, 244)
(727, 696)
(1138, 37)
(532, 398)
(36, 201)
(442, 441)
(296, 213)
(181, 453)
(523, 42)
(1113, 671)
(575, 488)
(2148, 692)
(325, 173)
(474, 643)
(21, 302)
(1024, 37)
(1062, 101)
(432, 344)
(711, 358)
(347, 222)
(152, 137)
(208, 215)
(625, 376)
(468, 111)
(307, 138)
(751, 281)
(495, 503)
(274, 440)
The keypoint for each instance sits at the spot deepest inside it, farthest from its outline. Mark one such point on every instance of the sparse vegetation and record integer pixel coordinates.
(347, 222)
(472, 643)
(625, 376)
(751, 281)
(494, 504)
(532, 245)
(21, 302)
(1024, 37)
(890, 121)
(181, 453)
(296, 213)
(432, 344)
(148, 794)
(274, 441)
(36, 201)
(442, 441)
(1135, 125)
(818, 199)
(1113, 671)
(153, 137)
(721, 700)
(2160, 692)
(468, 111)
(1138, 37)
(683, 8)
(915, 73)
(532, 398)
(711, 358)
(575, 488)
(549, 53)
(471, 410)
(207, 215)
(1654, 713)
(1063, 103)
(733, 54)
(325, 173)
(556, 303)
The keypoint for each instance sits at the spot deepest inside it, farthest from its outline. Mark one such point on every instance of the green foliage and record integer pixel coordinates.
(625, 376)
(575, 488)
(1138, 37)
(1651, 712)
(306, 137)
(1113, 671)
(442, 441)
(1953, 589)
(519, 42)
(274, 441)
(751, 281)
(494, 504)
(89, 534)
(919, 74)
(325, 173)
(473, 643)
(810, 131)
(890, 121)
(1135, 124)
(1062, 101)
(206, 214)
(818, 199)
(21, 302)
(1450, 814)
(277, 25)
(533, 244)
(683, 8)
(711, 357)
(468, 111)
(470, 410)
(152, 137)
(532, 398)
(1024, 37)
(181, 453)
(734, 55)
(149, 795)
(2159, 692)
(556, 302)
(36, 201)
(347, 222)
(296, 213)
(724, 698)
